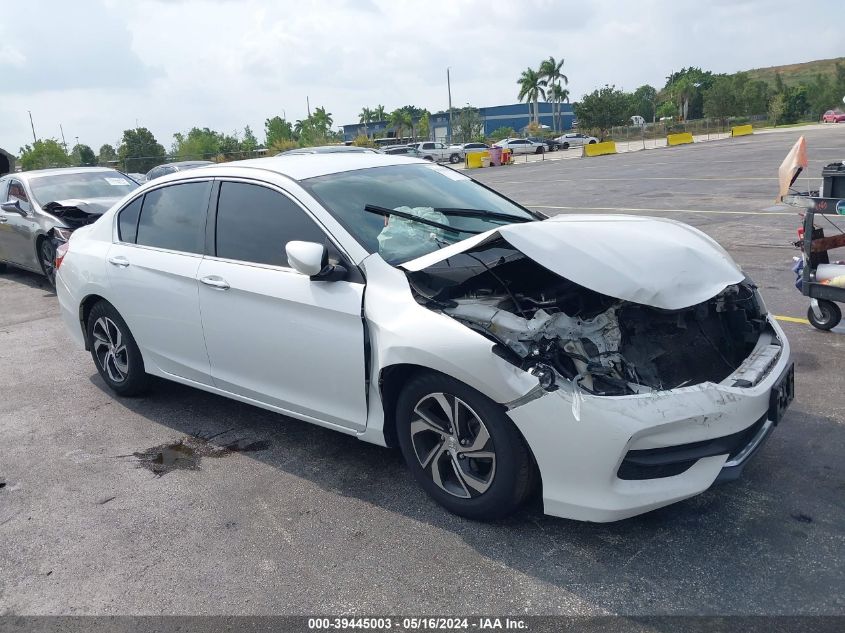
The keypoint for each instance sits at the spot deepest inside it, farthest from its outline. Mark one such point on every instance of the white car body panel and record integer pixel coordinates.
(277, 337)
(278, 340)
(653, 261)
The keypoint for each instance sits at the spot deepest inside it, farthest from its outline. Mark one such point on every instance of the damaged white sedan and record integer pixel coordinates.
(615, 364)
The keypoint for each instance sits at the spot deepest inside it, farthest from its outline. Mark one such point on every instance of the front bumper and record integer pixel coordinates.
(595, 465)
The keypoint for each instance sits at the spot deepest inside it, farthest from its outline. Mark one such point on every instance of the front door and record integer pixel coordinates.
(272, 334)
(17, 232)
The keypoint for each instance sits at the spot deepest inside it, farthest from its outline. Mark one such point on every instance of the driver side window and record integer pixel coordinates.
(17, 192)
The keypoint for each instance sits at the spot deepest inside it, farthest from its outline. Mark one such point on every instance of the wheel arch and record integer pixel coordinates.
(85, 307)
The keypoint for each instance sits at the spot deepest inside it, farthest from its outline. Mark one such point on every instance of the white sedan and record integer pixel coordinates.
(616, 363)
(521, 146)
(575, 139)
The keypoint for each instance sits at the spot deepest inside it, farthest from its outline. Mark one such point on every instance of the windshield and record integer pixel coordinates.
(428, 191)
(81, 185)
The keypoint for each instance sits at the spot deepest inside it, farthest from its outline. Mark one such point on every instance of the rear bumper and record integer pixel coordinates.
(697, 435)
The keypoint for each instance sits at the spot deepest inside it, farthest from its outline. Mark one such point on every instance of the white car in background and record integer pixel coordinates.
(460, 151)
(432, 151)
(617, 364)
(575, 139)
(521, 146)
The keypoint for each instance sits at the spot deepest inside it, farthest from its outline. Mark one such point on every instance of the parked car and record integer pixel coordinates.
(329, 149)
(575, 139)
(169, 168)
(434, 151)
(139, 178)
(405, 150)
(521, 146)
(550, 143)
(41, 208)
(459, 152)
(832, 116)
(625, 362)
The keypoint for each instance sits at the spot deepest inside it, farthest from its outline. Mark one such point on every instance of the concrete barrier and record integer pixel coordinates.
(742, 130)
(600, 149)
(679, 139)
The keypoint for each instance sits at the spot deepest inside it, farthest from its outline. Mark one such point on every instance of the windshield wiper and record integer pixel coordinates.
(372, 208)
(482, 213)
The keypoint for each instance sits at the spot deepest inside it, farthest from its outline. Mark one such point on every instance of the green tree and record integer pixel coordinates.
(777, 108)
(379, 113)
(686, 87)
(197, 143)
(249, 142)
(107, 155)
(796, 103)
(83, 156)
(468, 125)
(602, 109)
(424, 126)
(277, 129)
(501, 133)
(531, 89)
(365, 117)
(43, 154)
(139, 150)
(720, 99)
(322, 121)
(754, 96)
(400, 119)
(643, 102)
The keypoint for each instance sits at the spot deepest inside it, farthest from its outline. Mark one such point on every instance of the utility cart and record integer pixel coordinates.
(823, 313)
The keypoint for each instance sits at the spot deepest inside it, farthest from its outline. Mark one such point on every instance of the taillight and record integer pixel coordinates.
(61, 251)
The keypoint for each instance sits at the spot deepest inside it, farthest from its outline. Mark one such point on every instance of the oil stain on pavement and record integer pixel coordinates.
(186, 454)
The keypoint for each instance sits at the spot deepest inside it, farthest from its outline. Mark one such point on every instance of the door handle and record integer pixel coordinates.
(215, 282)
(119, 260)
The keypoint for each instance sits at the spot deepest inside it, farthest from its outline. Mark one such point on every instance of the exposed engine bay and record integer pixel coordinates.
(555, 328)
(78, 213)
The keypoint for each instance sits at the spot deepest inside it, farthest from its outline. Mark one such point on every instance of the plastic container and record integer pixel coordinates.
(473, 160)
(834, 181)
(495, 156)
(826, 272)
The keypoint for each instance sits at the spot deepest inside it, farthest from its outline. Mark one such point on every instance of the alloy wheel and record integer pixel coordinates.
(48, 261)
(453, 445)
(110, 349)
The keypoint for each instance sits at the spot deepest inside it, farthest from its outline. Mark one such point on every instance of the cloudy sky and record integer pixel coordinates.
(99, 66)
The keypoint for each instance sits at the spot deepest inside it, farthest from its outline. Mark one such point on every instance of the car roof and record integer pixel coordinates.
(327, 149)
(304, 166)
(40, 173)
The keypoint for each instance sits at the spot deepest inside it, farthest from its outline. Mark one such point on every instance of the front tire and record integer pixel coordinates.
(831, 315)
(115, 352)
(47, 259)
(565, 146)
(455, 159)
(539, 150)
(462, 448)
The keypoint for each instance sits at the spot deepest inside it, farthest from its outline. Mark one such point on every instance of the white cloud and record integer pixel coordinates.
(98, 65)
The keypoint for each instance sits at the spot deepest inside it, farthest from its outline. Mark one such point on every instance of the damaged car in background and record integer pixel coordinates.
(612, 364)
(41, 208)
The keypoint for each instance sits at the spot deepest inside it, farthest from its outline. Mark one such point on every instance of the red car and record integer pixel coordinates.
(833, 117)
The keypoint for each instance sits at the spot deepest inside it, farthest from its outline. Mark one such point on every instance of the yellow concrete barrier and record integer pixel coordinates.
(742, 130)
(473, 160)
(679, 139)
(600, 149)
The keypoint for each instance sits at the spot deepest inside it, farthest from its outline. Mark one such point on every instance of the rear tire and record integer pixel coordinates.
(455, 159)
(115, 353)
(831, 315)
(565, 146)
(474, 463)
(539, 150)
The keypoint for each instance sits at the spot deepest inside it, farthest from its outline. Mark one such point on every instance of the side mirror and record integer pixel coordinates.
(312, 259)
(13, 206)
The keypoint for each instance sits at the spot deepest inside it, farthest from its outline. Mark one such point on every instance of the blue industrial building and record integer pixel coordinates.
(516, 116)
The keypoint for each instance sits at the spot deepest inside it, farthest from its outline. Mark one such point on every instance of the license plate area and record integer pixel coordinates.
(782, 394)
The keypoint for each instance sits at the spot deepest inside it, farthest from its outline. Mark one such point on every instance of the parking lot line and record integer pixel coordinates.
(790, 319)
(640, 210)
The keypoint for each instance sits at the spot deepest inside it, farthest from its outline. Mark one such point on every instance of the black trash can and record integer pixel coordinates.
(834, 180)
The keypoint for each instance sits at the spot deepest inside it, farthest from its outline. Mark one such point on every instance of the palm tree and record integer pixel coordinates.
(322, 120)
(366, 117)
(552, 71)
(557, 95)
(531, 88)
(398, 119)
(379, 113)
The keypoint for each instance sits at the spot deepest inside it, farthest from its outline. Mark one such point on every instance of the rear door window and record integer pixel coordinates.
(174, 217)
(254, 224)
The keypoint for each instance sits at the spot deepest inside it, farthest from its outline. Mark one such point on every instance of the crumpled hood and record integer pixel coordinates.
(92, 206)
(651, 261)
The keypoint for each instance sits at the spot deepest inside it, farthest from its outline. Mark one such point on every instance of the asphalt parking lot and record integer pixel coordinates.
(292, 518)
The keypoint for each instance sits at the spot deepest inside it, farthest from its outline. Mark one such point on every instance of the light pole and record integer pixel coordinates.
(32, 125)
(449, 88)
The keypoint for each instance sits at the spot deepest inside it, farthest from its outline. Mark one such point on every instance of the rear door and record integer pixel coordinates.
(274, 335)
(152, 273)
